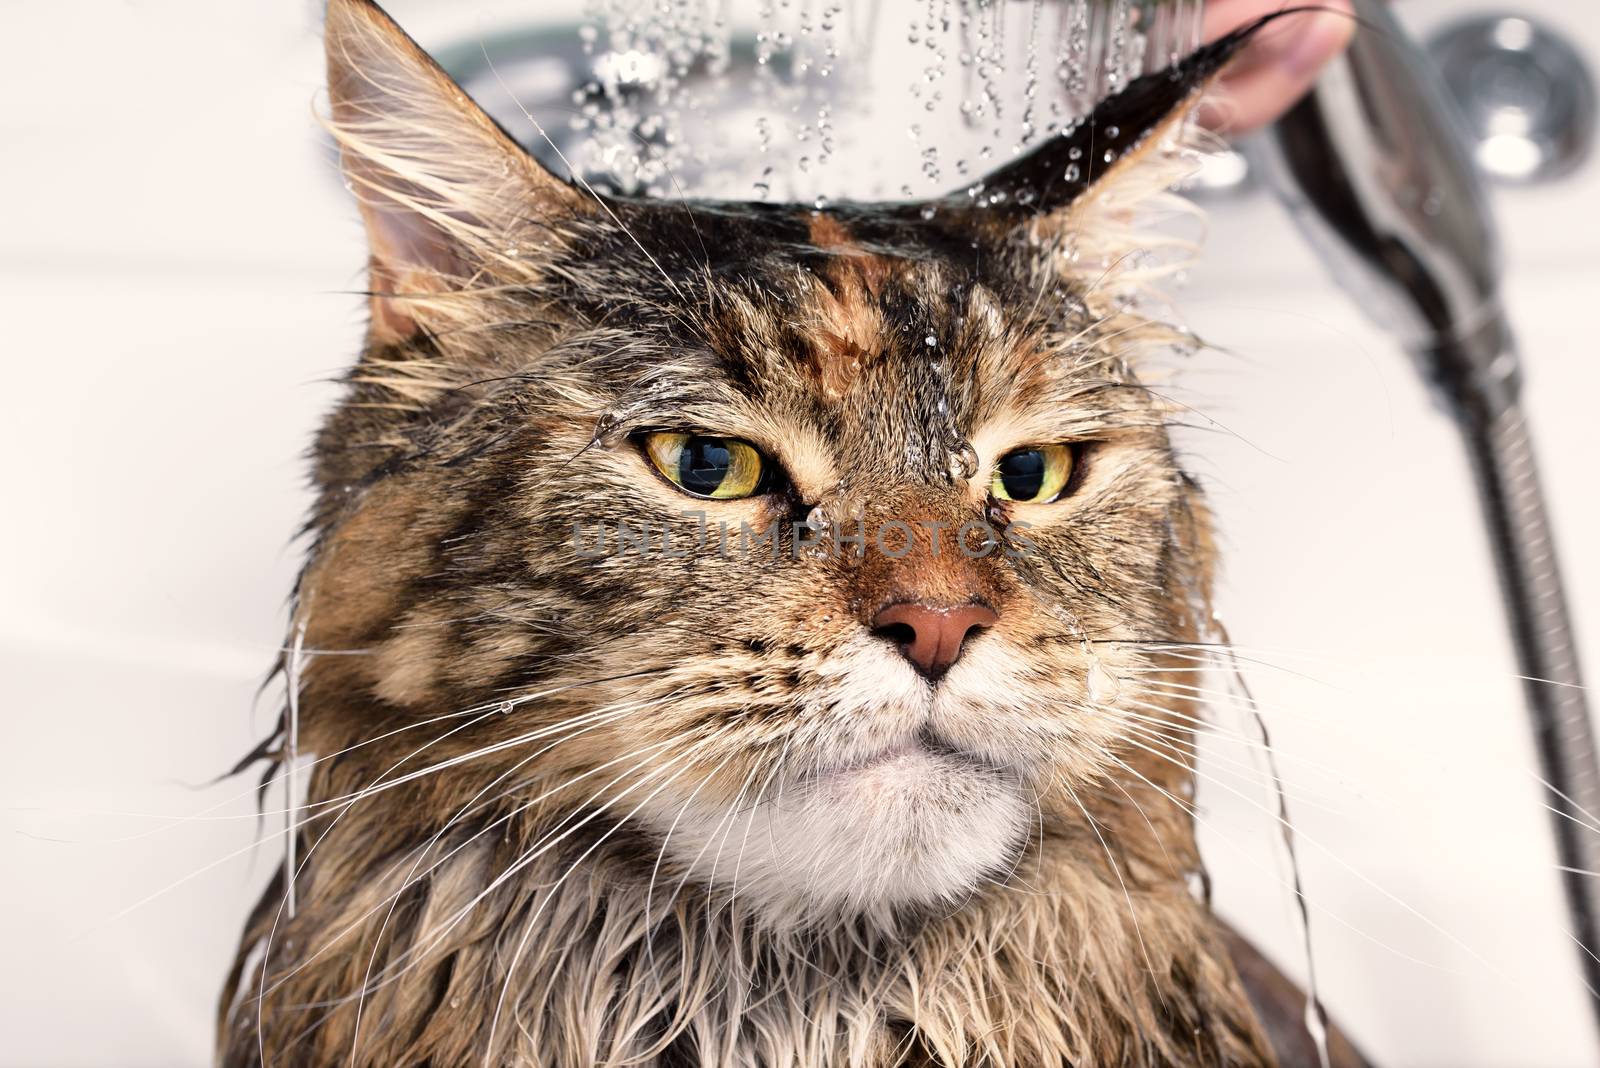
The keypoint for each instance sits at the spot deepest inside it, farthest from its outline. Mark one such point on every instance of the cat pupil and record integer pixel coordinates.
(703, 465)
(1022, 474)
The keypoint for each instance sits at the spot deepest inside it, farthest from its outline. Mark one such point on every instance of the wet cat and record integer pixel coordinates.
(741, 634)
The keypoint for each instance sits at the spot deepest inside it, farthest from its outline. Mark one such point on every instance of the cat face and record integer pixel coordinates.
(841, 757)
(804, 554)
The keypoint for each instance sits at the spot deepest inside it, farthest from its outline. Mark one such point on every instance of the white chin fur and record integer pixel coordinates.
(911, 827)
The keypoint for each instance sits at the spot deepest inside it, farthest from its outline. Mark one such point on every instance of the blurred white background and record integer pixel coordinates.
(176, 270)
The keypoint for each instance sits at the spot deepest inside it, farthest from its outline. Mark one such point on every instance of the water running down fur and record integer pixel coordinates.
(712, 809)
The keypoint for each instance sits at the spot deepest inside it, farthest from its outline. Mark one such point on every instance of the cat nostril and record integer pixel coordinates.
(931, 636)
(899, 633)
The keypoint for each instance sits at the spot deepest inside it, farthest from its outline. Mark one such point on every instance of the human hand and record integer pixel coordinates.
(1278, 67)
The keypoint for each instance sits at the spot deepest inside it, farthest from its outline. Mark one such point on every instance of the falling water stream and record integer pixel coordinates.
(1316, 1019)
(795, 100)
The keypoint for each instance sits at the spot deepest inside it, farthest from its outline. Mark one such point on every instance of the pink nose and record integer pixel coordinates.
(931, 635)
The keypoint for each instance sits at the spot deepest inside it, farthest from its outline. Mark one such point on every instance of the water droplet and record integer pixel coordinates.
(1110, 156)
(606, 430)
(928, 211)
(1073, 172)
(930, 341)
(963, 460)
(1103, 686)
(505, 706)
(1113, 132)
(820, 203)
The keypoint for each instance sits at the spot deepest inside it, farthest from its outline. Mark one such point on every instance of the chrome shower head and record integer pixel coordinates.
(1376, 168)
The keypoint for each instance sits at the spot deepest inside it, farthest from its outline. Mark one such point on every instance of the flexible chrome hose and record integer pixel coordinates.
(1374, 167)
(1520, 536)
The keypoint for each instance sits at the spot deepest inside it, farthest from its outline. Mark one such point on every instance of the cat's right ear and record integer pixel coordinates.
(444, 192)
(1113, 148)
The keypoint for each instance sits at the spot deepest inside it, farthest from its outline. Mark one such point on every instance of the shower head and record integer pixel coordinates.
(1375, 167)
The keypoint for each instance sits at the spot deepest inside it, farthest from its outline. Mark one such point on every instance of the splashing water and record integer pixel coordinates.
(791, 99)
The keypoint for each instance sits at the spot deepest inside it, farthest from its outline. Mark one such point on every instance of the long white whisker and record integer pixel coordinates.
(550, 894)
(1345, 865)
(588, 721)
(203, 816)
(266, 952)
(1126, 895)
(546, 842)
(577, 176)
(411, 875)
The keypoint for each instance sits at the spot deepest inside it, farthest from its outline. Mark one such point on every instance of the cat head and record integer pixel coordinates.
(825, 554)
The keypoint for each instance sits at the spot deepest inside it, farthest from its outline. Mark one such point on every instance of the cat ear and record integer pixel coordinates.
(1106, 148)
(443, 190)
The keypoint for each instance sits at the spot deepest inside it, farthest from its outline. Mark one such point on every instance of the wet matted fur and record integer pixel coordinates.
(683, 806)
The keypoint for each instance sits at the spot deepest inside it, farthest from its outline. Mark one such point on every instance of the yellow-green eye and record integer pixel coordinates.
(724, 469)
(1035, 475)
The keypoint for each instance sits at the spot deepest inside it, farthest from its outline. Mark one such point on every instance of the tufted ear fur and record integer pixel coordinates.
(444, 192)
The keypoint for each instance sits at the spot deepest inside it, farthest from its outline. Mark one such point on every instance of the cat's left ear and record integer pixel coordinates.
(444, 192)
(1106, 149)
